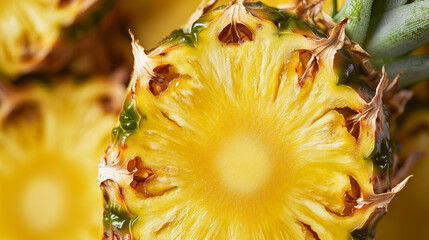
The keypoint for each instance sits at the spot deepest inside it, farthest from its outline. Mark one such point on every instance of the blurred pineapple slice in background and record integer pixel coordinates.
(41, 35)
(51, 138)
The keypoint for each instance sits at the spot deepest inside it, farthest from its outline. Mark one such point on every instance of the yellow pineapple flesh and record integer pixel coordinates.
(239, 127)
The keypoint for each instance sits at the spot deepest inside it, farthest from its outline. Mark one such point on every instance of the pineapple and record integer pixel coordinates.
(42, 34)
(252, 123)
(51, 137)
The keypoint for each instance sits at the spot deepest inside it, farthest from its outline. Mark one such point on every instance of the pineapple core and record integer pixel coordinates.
(242, 164)
(42, 203)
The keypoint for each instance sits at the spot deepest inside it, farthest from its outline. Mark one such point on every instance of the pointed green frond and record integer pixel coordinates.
(414, 69)
(399, 30)
(381, 6)
(359, 12)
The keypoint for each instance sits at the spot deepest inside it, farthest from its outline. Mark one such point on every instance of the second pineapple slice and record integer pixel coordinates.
(52, 132)
(239, 127)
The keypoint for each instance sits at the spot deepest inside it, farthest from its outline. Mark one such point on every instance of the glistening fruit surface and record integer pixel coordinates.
(244, 131)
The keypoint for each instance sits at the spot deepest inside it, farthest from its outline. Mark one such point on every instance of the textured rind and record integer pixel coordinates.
(129, 121)
(117, 220)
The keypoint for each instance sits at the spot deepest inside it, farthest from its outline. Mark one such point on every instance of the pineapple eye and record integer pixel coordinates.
(149, 182)
(141, 173)
(351, 196)
(352, 125)
(164, 75)
(309, 231)
(235, 33)
(307, 66)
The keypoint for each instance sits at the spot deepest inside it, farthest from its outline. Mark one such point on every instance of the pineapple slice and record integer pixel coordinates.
(51, 137)
(41, 34)
(243, 125)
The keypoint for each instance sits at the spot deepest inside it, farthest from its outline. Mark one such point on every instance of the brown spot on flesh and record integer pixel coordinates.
(307, 67)
(235, 33)
(141, 172)
(132, 164)
(350, 197)
(164, 74)
(310, 230)
(352, 126)
(163, 227)
(350, 200)
(148, 181)
(165, 115)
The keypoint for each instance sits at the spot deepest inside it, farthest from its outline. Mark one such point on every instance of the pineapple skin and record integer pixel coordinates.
(142, 190)
(52, 132)
(142, 16)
